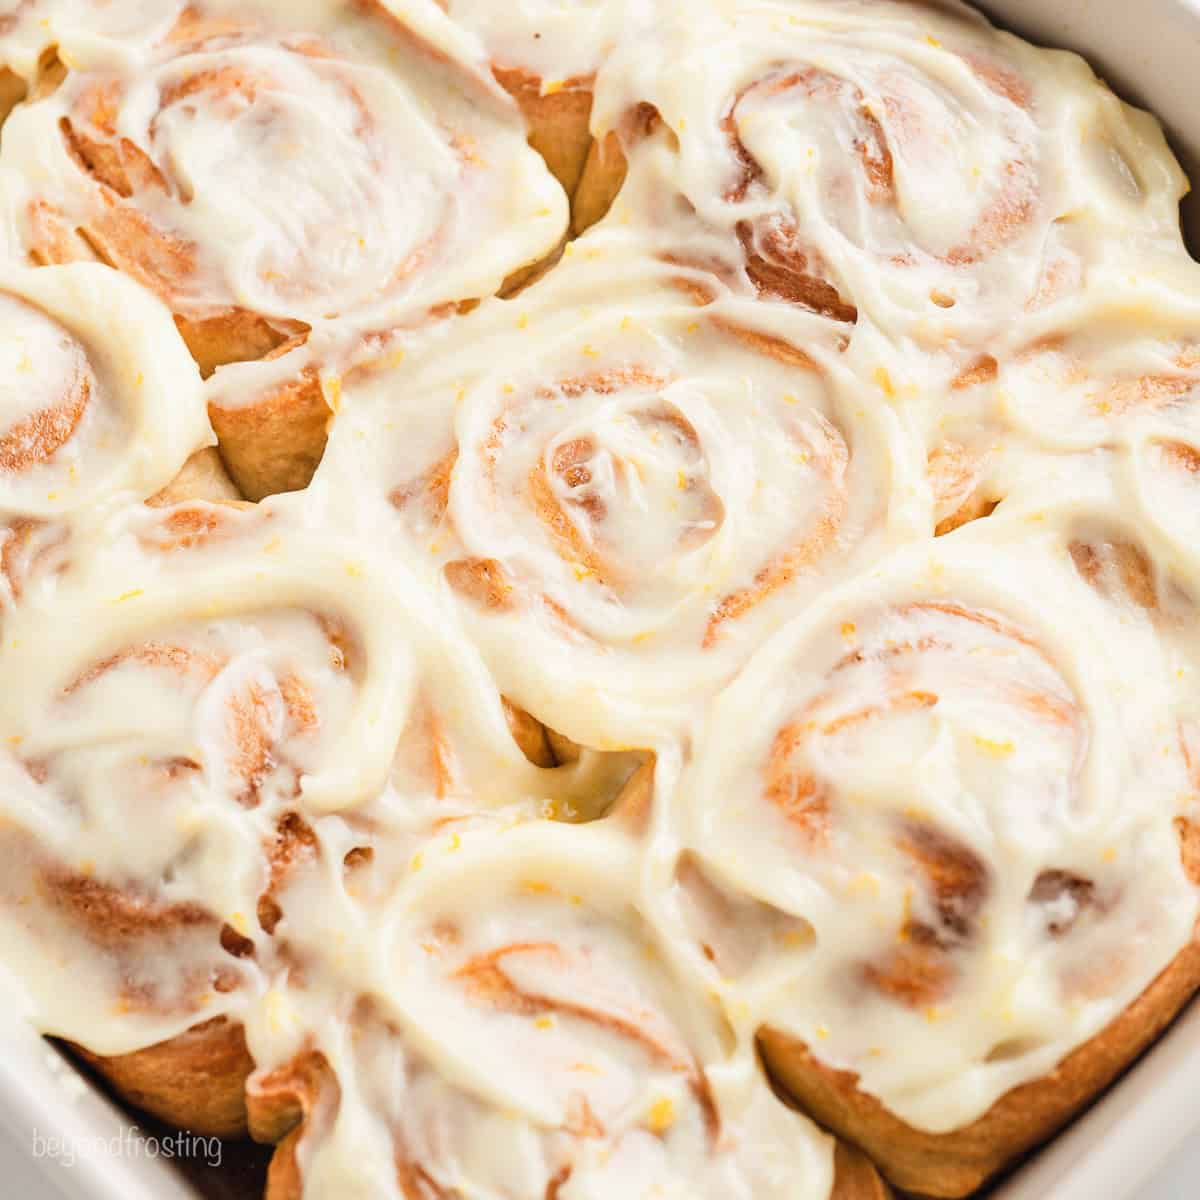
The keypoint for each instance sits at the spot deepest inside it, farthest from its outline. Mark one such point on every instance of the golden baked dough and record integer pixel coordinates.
(558, 120)
(196, 1081)
(202, 477)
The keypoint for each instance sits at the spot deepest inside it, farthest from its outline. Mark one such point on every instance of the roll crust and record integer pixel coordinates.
(229, 337)
(855, 1176)
(600, 180)
(541, 745)
(275, 443)
(280, 1104)
(557, 119)
(196, 1081)
(530, 735)
(202, 477)
(606, 166)
(12, 92)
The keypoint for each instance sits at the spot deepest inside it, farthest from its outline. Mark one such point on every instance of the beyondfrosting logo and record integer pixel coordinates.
(131, 1142)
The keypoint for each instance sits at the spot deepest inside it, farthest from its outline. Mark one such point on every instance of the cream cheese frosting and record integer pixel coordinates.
(300, 163)
(635, 486)
(558, 40)
(87, 357)
(517, 964)
(29, 28)
(904, 161)
(833, 496)
(942, 784)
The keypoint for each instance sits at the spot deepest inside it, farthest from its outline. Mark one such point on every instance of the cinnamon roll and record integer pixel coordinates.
(969, 860)
(93, 403)
(203, 677)
(97, 408)
(571, 1070)
(902, 160)
(267, 180)
(1110, 370)
(249, 694)
(152, 166)
(620, 492)
(140, 978)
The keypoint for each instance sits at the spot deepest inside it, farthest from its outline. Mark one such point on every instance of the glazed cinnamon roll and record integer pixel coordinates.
(141, 981)
(494, 715)
(151, 167)
(97, 408)
(1111, 370)
(203, 677)
(92, 405)
(619, 492)
(904, 160)
(967, 861)
(572, 1068)
(251, 684)
(267, 179)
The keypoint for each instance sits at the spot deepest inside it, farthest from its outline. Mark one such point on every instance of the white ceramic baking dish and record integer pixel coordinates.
(1150, 52)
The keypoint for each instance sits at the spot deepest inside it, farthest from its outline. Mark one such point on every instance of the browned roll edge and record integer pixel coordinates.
(855, 1176)
(601, 180)
(12, 92)
(557, 120)
(195, 1081)
(275, 443)
(606, 166)
(202, 477)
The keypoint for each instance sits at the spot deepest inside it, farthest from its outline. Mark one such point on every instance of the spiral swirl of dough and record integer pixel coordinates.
(82, 411)
(603, 477)
(263, 181)
(901, 161)
(936, 794)
(97, 407)
(526, 1030)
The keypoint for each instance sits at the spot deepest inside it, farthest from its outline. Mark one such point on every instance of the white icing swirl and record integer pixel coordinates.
(896, 160)
(528, 1036)
(294, 166)
(941, 784)
(97, 393)
(636, 487)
